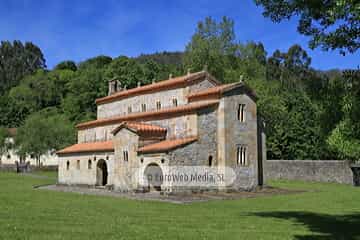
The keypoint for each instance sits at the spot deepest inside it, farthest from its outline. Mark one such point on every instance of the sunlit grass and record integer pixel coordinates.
(325, 211)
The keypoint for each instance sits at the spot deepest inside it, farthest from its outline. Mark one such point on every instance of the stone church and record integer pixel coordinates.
(190, 121)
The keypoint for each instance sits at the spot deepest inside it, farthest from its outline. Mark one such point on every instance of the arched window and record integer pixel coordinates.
(67, 165)
(78, 164)
(89, 164)
(175, 102)
(241, 113)
(143, 107)
(210, 161)
(126, 156)
(241, 155)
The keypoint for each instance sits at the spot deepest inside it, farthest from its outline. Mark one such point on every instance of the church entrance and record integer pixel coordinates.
(101, 173)
(153, 177)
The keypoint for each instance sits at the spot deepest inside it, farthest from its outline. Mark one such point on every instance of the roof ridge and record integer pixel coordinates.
(183, 79)
(119, 119)
(167, 144)
(139, 127)
(99, 146)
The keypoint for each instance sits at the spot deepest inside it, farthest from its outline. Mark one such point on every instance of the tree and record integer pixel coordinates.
(290, 68)
(127, 70)
(43, 132)
(345, 138)
(82, 90)
(37, 91)
(18, 60)
(98, 62)
(330, 24)
(213, 44)
(66, 65)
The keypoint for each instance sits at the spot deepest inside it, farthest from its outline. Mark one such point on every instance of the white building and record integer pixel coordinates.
(11, 157)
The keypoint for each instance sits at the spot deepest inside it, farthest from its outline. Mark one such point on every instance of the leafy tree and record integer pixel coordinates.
(297, 135)
(250, 62)
(18, 60)
(66, 65)
(43, 132)
(333, 24)
(162, 58)
(82, 90)
(41, 90)
(213, 44)
(98, 62)
(127, 70)
(343, 142)
(291, 68)
(345, 138)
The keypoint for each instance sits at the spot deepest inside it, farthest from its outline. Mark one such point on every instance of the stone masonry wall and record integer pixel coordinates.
(165, 97)
(178, 126)
(120, 107)
(238, 133)
(308, 170)
(83, 174)
(197, 153)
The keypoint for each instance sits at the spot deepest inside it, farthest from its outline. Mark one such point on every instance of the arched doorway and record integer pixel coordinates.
(153, 177)
(101, 173)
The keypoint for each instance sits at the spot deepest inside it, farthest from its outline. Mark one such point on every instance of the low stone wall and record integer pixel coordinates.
(7, 168)
(310, 170)
(13, 168)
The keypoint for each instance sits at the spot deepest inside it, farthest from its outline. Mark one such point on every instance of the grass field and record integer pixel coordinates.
(325, 211)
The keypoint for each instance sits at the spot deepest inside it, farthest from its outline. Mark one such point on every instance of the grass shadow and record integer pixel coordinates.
(323, 226)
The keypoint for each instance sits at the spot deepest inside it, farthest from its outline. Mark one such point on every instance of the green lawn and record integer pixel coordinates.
(326, 211)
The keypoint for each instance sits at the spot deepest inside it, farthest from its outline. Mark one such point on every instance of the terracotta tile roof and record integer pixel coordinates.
(166, 145)
(213, 92)
(165, 112)
(88, 147)
(166, 84)
(141, 128)
(216, 92)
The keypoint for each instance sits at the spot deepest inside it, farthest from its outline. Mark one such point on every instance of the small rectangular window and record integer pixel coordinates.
(129, 109)
(175, 102)
(158, 105)
(241, 155)
(78, 164)
(241, 113)
(89, 164)
(126, 156)
(143, 107)
(67, 165)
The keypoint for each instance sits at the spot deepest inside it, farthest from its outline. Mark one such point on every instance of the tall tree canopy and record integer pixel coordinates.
(18, 60)
(44, 131)
(213, 44)
(331, 24)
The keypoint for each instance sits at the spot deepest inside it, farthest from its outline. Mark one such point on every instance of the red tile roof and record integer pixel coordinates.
(166, 145)
(141, 128)
(182, 109)
(88, 147)
(166, 84)
(210, 93)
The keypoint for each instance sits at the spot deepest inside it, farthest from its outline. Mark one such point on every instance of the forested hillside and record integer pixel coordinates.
(309, 114)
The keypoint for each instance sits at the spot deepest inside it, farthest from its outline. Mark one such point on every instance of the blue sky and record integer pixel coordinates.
(77, 30)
